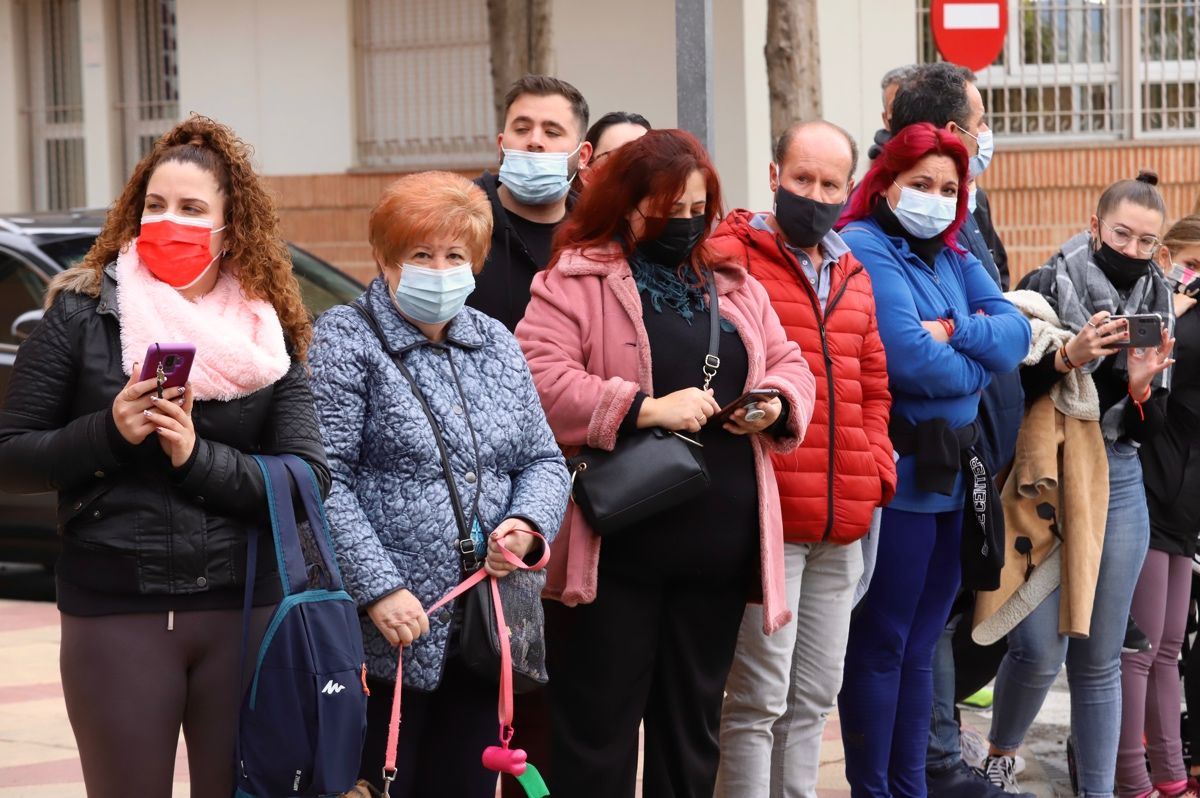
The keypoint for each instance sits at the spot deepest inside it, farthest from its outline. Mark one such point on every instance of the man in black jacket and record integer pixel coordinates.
(540, 150)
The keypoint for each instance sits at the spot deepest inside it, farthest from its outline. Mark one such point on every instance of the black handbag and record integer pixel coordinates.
(520, 591)
(649, 471)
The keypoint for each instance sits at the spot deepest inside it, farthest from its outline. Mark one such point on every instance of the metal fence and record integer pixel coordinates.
(1091, 69)
(55, 109)
(424, 83)
(149, 74)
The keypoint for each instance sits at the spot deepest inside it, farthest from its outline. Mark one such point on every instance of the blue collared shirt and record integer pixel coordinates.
(832, 247)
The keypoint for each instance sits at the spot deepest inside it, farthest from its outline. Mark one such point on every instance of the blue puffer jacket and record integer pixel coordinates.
(389, 507)
(928, 379)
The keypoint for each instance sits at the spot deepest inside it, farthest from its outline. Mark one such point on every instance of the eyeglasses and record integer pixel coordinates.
(1146, 245)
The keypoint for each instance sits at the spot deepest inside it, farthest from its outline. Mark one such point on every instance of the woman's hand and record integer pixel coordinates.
(937, 330)
(686, 410)
(1145, 364)
(130, 406)
(172, 420)
(519, 542)
(738, 425)
(1097, 339)
(1183, 303)
(399, 617)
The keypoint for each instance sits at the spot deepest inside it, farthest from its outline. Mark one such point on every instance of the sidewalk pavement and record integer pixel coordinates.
(38, 758)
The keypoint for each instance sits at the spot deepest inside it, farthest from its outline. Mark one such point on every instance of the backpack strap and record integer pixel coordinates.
(310, 496)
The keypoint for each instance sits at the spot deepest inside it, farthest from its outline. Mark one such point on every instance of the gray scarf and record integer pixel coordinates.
(1077, 289)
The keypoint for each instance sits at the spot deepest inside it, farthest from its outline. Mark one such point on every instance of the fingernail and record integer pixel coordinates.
(181, 390)
(147, 413)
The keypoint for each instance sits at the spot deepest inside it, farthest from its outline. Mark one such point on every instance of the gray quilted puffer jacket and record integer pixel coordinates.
(389, 507)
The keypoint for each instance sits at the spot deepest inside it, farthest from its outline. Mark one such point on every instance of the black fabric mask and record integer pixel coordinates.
(1120, 269)
(675, 243)
(804, 221)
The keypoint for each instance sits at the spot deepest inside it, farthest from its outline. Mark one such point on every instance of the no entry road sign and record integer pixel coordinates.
(969, 33)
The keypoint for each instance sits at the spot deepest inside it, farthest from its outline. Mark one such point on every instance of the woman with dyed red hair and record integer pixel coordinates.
(945, 328)
(644, 627)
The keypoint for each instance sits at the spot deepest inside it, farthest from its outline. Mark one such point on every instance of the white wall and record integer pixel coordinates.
(15, 194)
(104, 171)
(621, 55)
(279, 72)
(861, 40)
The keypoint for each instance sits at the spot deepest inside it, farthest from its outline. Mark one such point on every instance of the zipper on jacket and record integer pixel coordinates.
(822, 317)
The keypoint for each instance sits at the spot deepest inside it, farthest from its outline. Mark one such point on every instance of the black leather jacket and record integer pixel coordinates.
(138, 534)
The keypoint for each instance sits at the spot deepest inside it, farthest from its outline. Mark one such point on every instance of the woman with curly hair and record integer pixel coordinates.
(157, 490)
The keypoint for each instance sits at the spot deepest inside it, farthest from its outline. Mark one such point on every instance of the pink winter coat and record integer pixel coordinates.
(588, 350)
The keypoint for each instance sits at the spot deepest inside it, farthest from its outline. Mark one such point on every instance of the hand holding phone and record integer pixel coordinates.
(746, 400)
(169, 364)
(1145, 330)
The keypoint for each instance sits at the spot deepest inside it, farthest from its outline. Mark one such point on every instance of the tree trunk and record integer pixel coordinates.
(793, 63)
(520, 39)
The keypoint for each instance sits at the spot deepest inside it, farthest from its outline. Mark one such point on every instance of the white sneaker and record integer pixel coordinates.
(1018, 765)
(1001, 772)
(974, 747)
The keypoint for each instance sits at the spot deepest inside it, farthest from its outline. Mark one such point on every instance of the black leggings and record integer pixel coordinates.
(130, 683)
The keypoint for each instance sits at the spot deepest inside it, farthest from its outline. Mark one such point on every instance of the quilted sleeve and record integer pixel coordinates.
(339, 361)
(540, 480)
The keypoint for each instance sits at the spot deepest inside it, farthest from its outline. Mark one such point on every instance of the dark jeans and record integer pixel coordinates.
(442, 736)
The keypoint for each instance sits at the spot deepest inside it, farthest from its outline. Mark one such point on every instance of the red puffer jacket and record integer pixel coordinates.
(830, 486)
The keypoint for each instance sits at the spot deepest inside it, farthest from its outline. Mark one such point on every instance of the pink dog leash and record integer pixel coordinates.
(499, 758)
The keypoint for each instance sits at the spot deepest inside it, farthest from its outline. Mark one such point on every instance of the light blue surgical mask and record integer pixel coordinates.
(536, 178)
(924, 215)
(987, 148)
(433, 296)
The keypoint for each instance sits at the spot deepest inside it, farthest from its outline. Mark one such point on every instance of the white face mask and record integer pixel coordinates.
(537, 178)
(924, 215)
(432, 296)
(986, 146)
(971, 203)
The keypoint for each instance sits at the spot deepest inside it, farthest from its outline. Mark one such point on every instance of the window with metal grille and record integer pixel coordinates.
(55, 110)
(1091, 69)
(424, 84)
(149, 74)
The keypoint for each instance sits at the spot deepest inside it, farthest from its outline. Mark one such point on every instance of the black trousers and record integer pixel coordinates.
(652, 653)
(442, 736)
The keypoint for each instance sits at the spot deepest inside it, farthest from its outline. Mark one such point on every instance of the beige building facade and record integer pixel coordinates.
(338, 96)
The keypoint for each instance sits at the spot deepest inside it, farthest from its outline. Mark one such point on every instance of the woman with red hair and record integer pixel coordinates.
(616, 334)
(945, 328)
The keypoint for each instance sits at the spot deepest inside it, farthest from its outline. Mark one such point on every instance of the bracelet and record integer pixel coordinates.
(1138, 402)
(948, 326)
(1062, 352)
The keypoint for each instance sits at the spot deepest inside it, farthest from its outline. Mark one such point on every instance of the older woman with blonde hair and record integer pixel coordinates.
(408, 378)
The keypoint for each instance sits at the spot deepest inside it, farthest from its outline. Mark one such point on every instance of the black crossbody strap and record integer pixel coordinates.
(711, 361)
(466, 544)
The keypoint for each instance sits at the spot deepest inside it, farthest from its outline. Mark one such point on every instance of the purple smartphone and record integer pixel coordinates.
(172, 363)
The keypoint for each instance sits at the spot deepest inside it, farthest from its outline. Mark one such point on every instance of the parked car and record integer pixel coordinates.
(33, 248)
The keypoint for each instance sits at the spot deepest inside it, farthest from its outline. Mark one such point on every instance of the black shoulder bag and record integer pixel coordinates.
(649, 471)
(520, 591)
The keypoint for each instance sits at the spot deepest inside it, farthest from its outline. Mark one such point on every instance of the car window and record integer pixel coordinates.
(321, 285)
(21, 290)
(67, 252)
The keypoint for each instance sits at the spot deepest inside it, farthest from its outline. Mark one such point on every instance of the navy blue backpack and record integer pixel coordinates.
(304, 714)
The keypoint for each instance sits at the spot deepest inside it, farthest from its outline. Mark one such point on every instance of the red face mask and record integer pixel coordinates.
(176, 249)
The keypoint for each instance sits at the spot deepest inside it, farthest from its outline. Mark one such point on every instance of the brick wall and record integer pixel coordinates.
(327, 215)
(1041, 197)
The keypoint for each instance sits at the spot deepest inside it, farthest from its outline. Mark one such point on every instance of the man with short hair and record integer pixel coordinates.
(782, 687)
(540, 150)
(890, 83)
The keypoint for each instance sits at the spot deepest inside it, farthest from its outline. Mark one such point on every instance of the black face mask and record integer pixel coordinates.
(1120, 269)
(804, 221)
(675, 243)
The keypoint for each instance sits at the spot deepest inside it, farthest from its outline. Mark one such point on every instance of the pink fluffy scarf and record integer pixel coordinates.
(239, 341)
